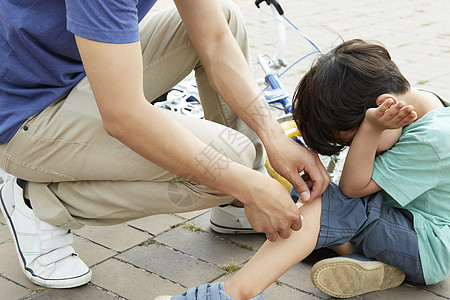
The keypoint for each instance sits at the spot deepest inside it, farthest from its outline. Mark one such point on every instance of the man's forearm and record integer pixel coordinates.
(232, 78)
(179, 152)
(227, 69)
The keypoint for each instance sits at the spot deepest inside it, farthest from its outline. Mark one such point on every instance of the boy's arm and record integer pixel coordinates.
(356, 180)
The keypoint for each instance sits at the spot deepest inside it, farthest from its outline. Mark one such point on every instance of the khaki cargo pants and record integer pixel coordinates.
(78, 174)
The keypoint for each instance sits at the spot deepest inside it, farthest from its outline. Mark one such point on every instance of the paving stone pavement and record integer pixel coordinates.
(164, 254)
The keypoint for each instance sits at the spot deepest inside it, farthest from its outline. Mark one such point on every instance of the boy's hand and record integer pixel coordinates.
(391, 115)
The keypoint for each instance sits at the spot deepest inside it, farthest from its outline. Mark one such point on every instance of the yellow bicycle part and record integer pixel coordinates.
(291, 130)
(277, 176)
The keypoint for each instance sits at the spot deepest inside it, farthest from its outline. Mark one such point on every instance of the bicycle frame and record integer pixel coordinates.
(275, 92)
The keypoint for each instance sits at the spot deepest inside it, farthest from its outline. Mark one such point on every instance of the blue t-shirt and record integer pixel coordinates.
(39, 59)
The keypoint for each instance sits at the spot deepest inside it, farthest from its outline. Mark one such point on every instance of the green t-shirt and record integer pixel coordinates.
(415, 175)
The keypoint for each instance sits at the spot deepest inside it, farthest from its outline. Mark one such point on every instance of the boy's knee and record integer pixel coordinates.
(311, 211)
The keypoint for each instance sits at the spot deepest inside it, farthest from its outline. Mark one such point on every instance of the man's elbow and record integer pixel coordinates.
(114, 126)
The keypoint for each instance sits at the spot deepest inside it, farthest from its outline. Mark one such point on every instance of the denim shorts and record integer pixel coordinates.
(377, 230)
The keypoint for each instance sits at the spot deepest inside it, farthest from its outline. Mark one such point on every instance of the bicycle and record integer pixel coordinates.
(184, 97)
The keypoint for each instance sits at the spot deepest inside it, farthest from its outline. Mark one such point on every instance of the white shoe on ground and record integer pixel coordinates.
(230, 219)
(343, 277)
(45, 252)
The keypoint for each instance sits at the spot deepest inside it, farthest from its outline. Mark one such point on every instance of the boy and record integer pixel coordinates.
(390, 215)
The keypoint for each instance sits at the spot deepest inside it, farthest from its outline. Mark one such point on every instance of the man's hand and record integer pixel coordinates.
(289, 159)
(391, 115)
(272, 210)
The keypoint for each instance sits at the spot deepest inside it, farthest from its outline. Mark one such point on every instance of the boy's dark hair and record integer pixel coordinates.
(334, 95)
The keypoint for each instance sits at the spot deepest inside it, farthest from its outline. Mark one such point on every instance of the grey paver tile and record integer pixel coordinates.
(204, 246)
(172, 264)
(91, 253)
(402, 292)
(244, 240)
(10, 267)
(298, 277)
(442, 288)
(131, 282)
(192, 214)
(280, 291)
(224, 277)
(118, 237)
(5, 235)
(323, 22)
(156, 224)
(84, 292)
(202, 221)
(2, 219)
(10, 290)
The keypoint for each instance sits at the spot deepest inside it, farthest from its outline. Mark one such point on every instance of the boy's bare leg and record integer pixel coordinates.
(273, 259)
(344, 249)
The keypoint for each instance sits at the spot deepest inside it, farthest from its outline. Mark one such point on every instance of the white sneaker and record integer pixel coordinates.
(230, 219)
(45, 252)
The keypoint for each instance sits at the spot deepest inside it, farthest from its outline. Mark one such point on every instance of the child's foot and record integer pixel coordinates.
(344, 277)
(206, 291)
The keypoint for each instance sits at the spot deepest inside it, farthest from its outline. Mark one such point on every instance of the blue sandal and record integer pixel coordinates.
(206, 291)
